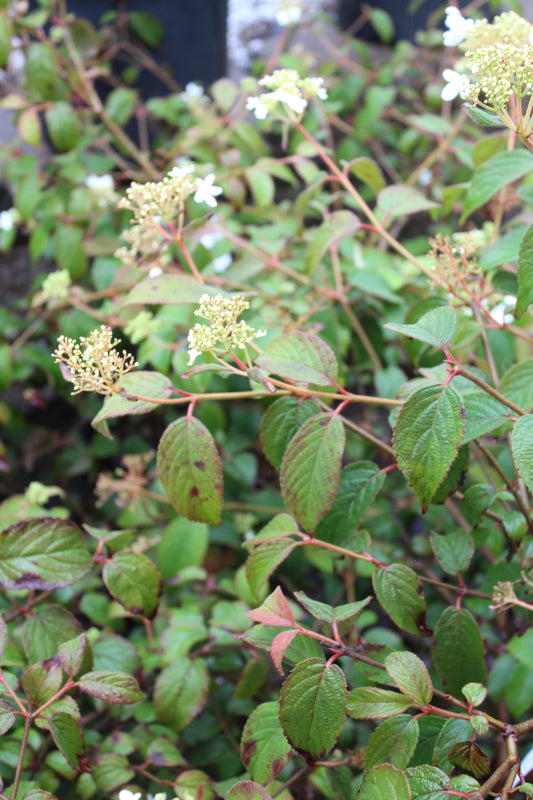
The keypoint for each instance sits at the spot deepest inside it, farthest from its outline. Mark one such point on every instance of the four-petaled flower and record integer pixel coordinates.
(457, 25)
(207, 191)
(456, 84)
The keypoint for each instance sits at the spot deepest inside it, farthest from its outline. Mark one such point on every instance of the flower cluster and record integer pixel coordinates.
(55, 289)
(224, 330)
(453, 261)
(93, 364)
(289, 12)
(289, 91)
(500, 70)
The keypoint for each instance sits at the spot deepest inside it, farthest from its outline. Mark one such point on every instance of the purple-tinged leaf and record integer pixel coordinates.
(71, 654)
(265, 750)
(113, 687)
(7, 717)
(247, 790)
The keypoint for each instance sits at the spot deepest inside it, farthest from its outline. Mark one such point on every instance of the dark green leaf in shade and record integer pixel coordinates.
(454, 478)
(247, 790)
(458, 650)
(141, 382)
(180, 692)
(113, 687)
(68, 738)
(401, 595)
(525, 273)
(280, 422)
(42, 553)
(190, 471)
(394, 741)
(370, 702)
(301, 358)
(483, 415)
(470, 757)
(147, 28)
(183, 544)
(410, 675)
(368, 171)
(120, 104)
(427, 436)
(63, 125)
(338, 225)
(453, 550)
(384, 782)
(71, 654)
(251, 679)
(359, 485)
(499, 171)
(265, 750)
(313, 707)
(265, 559)
(135, 581)
(428, 783)
(5, 39)
(437, 327)
(311, 467)
(69, 250)
(522, 448)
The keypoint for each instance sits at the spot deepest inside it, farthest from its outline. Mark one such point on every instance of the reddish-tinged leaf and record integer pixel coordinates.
(190, 471)
(247, 790)
(7, 717)
(113, 687)
(274, 611)
(279, 645)
(469, 756)
(265, 750)
(311, 467)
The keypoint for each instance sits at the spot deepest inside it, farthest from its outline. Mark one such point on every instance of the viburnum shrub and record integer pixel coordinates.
(293, 555)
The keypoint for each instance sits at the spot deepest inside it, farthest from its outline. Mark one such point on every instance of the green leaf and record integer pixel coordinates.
(247, 790)
(483, 414)
(394, 740)
(493, 175)
(180, 692)
(475, 693)
(111, 771)
(313, 707)
(5, 39)
(338, 226)
(7, 717)
(369, 702)
(310, 470)
(3, 637)
(521, 647)
(453, 550)
(428, 783)
(301, 358)
(326, 613)
(504, 250)
(178, 288)
(522, 448)
(163, 753)
(437, 327)
(71, 654)
(470, 757)
(280, 527)
(45, 629)
(458, 650)
(69, 251)
(410, 675)
(120, 104)
(368, 171)
(68, 738)
(261, 185)
(29, 127)
(427, 436)
(279, 424)
(400, 200)
(42, 681)
(265, 750)
(265, 559)
(517, 384)
(148, 384)
(189, 468)
(147, 28)
(454, 730)
(42, 553)
(384, 782)
(525, 273)
(358, 486)
(113, 687)
(63, 125)
(183, 544)
(455, 476)
(42, 71)
(400, 592)
(134, 581)
(483, 118)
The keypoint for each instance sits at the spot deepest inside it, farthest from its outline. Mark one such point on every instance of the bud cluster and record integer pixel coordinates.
(289, 91)
(225, 332)
(93, 364)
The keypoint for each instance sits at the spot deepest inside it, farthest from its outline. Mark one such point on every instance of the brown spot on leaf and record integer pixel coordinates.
(420, 622)
(83, 764)
(194, 491)
(199, 465)
(248, 748)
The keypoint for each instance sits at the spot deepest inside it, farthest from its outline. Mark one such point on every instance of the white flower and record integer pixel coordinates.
(155, 272)
(256, 105)
(193, 355)
(294, 101)
(425, 177)
(179, 171)
(458, 26)
(288, 14)
(125, 794)
(260, 333)
(6, 220)
(221, 263)
(193, 89)
(501, 312)
(209, 240)
(99, 182)
(456, 84)
(207, 191)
